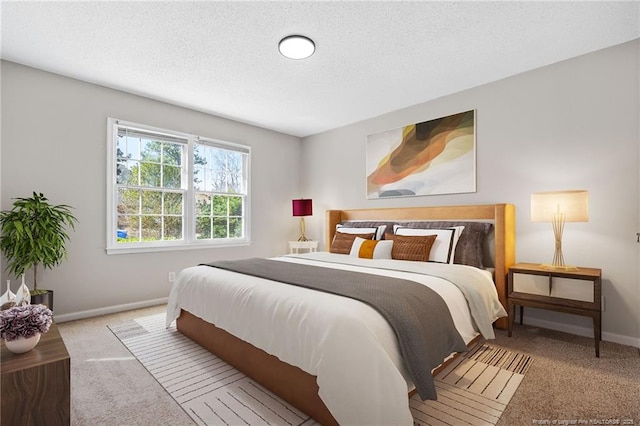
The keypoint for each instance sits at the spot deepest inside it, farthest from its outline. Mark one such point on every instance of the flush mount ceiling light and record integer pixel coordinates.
(296, 47)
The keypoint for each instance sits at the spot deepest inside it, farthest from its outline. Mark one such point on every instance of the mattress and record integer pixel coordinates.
(345, 343)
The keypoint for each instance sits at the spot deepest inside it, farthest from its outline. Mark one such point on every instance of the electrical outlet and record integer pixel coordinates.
(171, 277)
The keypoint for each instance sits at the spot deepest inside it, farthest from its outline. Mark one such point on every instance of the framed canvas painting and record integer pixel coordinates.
(429, 158)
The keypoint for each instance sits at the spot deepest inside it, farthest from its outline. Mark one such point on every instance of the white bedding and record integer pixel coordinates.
(345, 343)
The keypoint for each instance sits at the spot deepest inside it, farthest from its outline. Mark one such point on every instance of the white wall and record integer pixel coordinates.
(54, 141)
(571, 125)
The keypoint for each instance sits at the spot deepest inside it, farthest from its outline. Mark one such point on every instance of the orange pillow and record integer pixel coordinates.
(371, 249)
(367, 248)
(416, 248)
(342, 242)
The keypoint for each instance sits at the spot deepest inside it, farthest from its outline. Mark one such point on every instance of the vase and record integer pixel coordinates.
(7, 297)
(22, 345)
(23, 295)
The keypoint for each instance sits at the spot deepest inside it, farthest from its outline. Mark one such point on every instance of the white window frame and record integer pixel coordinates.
(189, 241)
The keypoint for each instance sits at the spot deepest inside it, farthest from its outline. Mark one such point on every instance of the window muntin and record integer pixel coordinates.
(174, 190)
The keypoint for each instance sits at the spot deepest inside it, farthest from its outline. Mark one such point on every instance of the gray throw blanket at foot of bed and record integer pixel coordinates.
(418, 315)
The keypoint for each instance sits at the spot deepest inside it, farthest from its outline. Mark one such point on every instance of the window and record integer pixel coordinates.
(168, 190)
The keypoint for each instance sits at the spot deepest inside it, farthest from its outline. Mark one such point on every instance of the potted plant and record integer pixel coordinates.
(21, 326)
(34, 233)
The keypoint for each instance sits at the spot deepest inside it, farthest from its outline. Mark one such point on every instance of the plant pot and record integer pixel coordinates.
(22, 345)
(44, 298)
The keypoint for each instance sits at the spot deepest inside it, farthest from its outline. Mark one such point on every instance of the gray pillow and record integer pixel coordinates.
(469, 248)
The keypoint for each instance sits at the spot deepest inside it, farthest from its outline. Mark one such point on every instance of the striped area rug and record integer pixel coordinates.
(474, 389)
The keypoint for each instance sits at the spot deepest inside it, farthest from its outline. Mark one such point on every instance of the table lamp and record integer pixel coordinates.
(302, 207)
(559, 207)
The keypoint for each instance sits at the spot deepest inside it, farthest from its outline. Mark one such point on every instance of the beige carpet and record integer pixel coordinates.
(110, 387)
(474, 390)
(567, 382)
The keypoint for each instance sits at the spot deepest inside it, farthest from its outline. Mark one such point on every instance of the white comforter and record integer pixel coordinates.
(345, 343)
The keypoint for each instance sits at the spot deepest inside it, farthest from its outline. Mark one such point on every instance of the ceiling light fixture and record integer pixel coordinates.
(296, 47)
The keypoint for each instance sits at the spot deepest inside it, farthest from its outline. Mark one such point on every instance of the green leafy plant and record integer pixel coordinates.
(34, 233)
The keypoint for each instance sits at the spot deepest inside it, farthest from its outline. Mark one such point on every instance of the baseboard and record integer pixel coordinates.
(583, 331)
(109, 310)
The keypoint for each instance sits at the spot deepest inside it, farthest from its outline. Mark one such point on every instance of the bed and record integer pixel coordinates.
(304, 361)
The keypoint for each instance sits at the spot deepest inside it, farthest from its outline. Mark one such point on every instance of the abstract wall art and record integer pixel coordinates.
(429, 158)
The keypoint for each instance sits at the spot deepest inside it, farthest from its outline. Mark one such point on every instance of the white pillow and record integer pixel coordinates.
(444, 247)
(378, 231)
(381, 248)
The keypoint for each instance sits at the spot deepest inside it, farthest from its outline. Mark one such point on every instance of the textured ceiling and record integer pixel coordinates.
(371, 57)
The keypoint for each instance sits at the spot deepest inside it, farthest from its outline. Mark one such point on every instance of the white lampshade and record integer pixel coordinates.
(559, 207)
(573, 205)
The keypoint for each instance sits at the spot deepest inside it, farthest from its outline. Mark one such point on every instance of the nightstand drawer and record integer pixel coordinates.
(568, 288)
(531, 284)
(563, 288)
(296, 246)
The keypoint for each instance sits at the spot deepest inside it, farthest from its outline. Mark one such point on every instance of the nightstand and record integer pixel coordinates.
(36, 385)
(571, 291)
(296, 246)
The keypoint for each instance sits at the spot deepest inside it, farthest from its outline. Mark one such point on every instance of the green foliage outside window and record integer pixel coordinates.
(219, 172)
(151, 198)
(148, 209)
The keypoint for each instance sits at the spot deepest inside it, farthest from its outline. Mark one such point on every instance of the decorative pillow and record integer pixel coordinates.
(445, 244)
(469, 250)
(377, 230)
(371, 249)
(415, 248)
(343, 241)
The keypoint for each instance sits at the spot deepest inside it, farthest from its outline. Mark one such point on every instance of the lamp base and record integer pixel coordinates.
(558, 267)
(302, 236)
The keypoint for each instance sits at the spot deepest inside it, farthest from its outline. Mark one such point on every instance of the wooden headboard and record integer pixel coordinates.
(501, 215)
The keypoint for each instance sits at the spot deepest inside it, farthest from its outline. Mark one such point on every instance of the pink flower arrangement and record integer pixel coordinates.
(24, 321)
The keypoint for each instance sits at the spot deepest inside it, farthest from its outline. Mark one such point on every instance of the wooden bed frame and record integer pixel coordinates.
(298, 387)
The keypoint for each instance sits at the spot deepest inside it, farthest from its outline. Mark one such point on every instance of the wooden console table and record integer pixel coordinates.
(36, 385)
